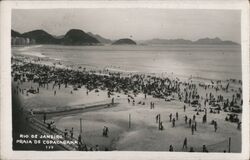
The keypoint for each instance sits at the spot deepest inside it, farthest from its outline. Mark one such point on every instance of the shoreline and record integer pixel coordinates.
(43, 60)
(115, 69)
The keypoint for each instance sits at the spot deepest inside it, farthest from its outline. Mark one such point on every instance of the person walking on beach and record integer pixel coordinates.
(171, 148)
(105, 131)
(65, 133)
(185, 144)
(54, 92)
(186, 119)
(204, 118)
(189, 122)
(44, 117)
(215, 126)
(176, 115)
(173, 123)
(79, 139)
(195, 126)
(192, 129)
(193, 117)
(161, 126)
(157, 118)
(184, 108)
(72, 133)
(170, 117)
(204, 148)
(239, 125)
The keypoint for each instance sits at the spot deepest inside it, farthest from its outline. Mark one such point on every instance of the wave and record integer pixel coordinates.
(32, 53)
(29, 47)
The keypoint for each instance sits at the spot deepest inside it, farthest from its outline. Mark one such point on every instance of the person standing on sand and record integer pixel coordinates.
(107, 130)
(204, 119)
(189, 122)
(239, 125)
(157, 118)
(54, 92)
(215, 126)
(204, 148)
(192, 129)
(79, 139)
(161, 126)
(176, 116)
(186, 119)
(72, 133)
(195, 125)
(65, 133)
(171, 148)
(44, 117)
(185, 144)
(173, 123)
(170, 117)
(184, 108)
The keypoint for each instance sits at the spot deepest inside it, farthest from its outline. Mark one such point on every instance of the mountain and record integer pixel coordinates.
(78, 37)
(213, 41)
(100, 38)
(125, 41)
(15, 34)
(202, 41)
(72, 37)
(41, 37)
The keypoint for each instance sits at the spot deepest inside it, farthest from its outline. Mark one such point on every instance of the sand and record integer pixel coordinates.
(144, 134)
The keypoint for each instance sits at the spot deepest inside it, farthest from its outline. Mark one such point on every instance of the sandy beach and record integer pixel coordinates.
(143, 134)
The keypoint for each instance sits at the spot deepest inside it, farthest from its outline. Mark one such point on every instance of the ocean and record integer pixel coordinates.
(217, 62)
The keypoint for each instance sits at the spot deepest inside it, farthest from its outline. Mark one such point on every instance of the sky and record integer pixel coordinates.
(138, 24)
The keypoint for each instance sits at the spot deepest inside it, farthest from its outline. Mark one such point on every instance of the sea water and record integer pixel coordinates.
(203, 61)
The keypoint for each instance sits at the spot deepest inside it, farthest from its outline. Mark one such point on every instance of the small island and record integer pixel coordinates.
(125, 41)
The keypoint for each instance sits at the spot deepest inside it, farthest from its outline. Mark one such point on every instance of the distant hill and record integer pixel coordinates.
(41, 37)
(100, 38)
(78, 37)
(124, 42)
(214, 41)
(203, 41)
